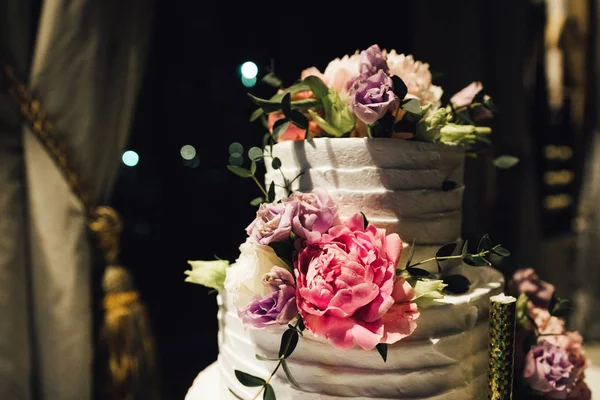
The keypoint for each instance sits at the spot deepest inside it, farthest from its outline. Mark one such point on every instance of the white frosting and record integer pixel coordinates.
(396, 183)
(444, 358)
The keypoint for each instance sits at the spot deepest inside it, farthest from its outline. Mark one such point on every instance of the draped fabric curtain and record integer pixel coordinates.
(85, 68)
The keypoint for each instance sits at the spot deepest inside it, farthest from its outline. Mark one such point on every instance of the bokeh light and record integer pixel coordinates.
(248, 82)
(130, 158)
(188, 152)
(249, 70)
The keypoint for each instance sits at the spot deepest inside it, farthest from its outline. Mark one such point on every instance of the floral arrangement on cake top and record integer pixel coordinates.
(549, 360)
(376, 93)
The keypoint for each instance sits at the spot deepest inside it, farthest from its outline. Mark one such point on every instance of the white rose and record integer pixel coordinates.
(339, 71)
(417, 77)
(244, 277)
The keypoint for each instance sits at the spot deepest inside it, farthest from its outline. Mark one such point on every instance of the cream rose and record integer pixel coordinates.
(244, 277)
(339, 72)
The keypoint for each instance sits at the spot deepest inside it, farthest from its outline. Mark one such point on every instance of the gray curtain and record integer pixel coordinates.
(85, 67)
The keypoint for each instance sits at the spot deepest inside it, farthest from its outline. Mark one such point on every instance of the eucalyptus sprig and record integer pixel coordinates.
(289, 341)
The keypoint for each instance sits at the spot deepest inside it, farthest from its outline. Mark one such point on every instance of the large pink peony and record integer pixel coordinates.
(347, 290)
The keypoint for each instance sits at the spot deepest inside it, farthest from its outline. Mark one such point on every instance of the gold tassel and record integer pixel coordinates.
(126, 337)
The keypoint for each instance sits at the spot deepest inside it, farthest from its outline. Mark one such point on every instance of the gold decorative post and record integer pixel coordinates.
(502, 347)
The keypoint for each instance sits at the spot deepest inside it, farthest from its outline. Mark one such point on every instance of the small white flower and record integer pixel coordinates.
(244, 277)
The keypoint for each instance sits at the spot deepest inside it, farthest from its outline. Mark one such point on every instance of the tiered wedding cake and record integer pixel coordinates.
(398, 184)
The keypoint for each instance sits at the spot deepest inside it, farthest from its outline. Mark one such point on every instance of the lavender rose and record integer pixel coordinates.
(548, 370)
(528, 282)
(371, 61)
(371, 98)
(276, 308)
(273, 223)
(315, 213)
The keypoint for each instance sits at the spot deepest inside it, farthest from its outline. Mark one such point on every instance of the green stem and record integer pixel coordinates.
(369, 131)
(483, 253)
(260, 186)
(287, 346)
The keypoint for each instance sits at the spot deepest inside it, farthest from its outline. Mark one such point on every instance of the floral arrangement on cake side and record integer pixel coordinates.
(549, 360)
(376, 93)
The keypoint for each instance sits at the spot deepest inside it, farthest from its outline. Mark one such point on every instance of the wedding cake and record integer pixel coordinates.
(354, 282)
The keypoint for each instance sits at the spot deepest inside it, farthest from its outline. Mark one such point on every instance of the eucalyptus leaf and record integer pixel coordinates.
(279, 128)
(239, 171)
(465, 249)
(476, 261)
(457, 284)
(400, 89)
(276, 163)
(301, 325)
(271, 193)
(485, 243)
(444, 251)
(420, 272)
(269, 393)
(289, 340)
(286, 105)
(237, 396)
(236, 159)
(411, 254)
(255, 153)
(501, 251)
(365, 220)
(248, 380)
(448, 185)
(236, 148)
(253, 167)
(382, 349)
(289, 375)
(505, 162)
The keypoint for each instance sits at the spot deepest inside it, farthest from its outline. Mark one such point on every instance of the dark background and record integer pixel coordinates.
(192, 94)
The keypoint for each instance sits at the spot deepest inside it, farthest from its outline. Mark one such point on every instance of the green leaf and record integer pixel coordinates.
(323, 124)
(558, 306)
(365, 220)
(248, 380)
(457, 284)
(286, 104)
(207, 273)
(501, 251)
(521, 312)
(276, 163)
(411, 254)
(237, 396)
(476, 261)
(552, 303)
(263, 358)
(255, 153)
(236, 148)
(253, 167)
(257, 201)
(400, 89)
(239, 171)
(301, 325)
(279, 128)
(298, 119)
(505, 162)
(485, 243)
(420, 272)
(444, 251)
(289, 375)
(256, 114)
(271, 193)
(289, 340)
(272, 80)
(465, 249)
(269, 393)
(382, 349)
(448, 185)
(412, 106)
(236, 159)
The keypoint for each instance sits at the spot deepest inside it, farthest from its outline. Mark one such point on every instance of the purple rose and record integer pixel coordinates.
(373, 97)
(526, 281)
(548, 370)
(273, 223)
(316, 213)
(276, 308)
(371, 61)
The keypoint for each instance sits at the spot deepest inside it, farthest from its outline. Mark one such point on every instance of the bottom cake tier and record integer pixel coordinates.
(445, 358)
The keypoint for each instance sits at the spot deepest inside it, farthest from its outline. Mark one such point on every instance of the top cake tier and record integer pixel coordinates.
(412, 188)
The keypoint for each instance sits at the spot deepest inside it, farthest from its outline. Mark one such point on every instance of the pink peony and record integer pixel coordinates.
(347, 290)
(275, 308)
(273, 223)
(548, 370)
(315, 213)
(526, 281)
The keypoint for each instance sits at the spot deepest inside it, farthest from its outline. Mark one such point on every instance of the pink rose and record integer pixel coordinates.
(465, 96)
(315, 213)
(528, 282)
(273, 223)
(347, 290)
